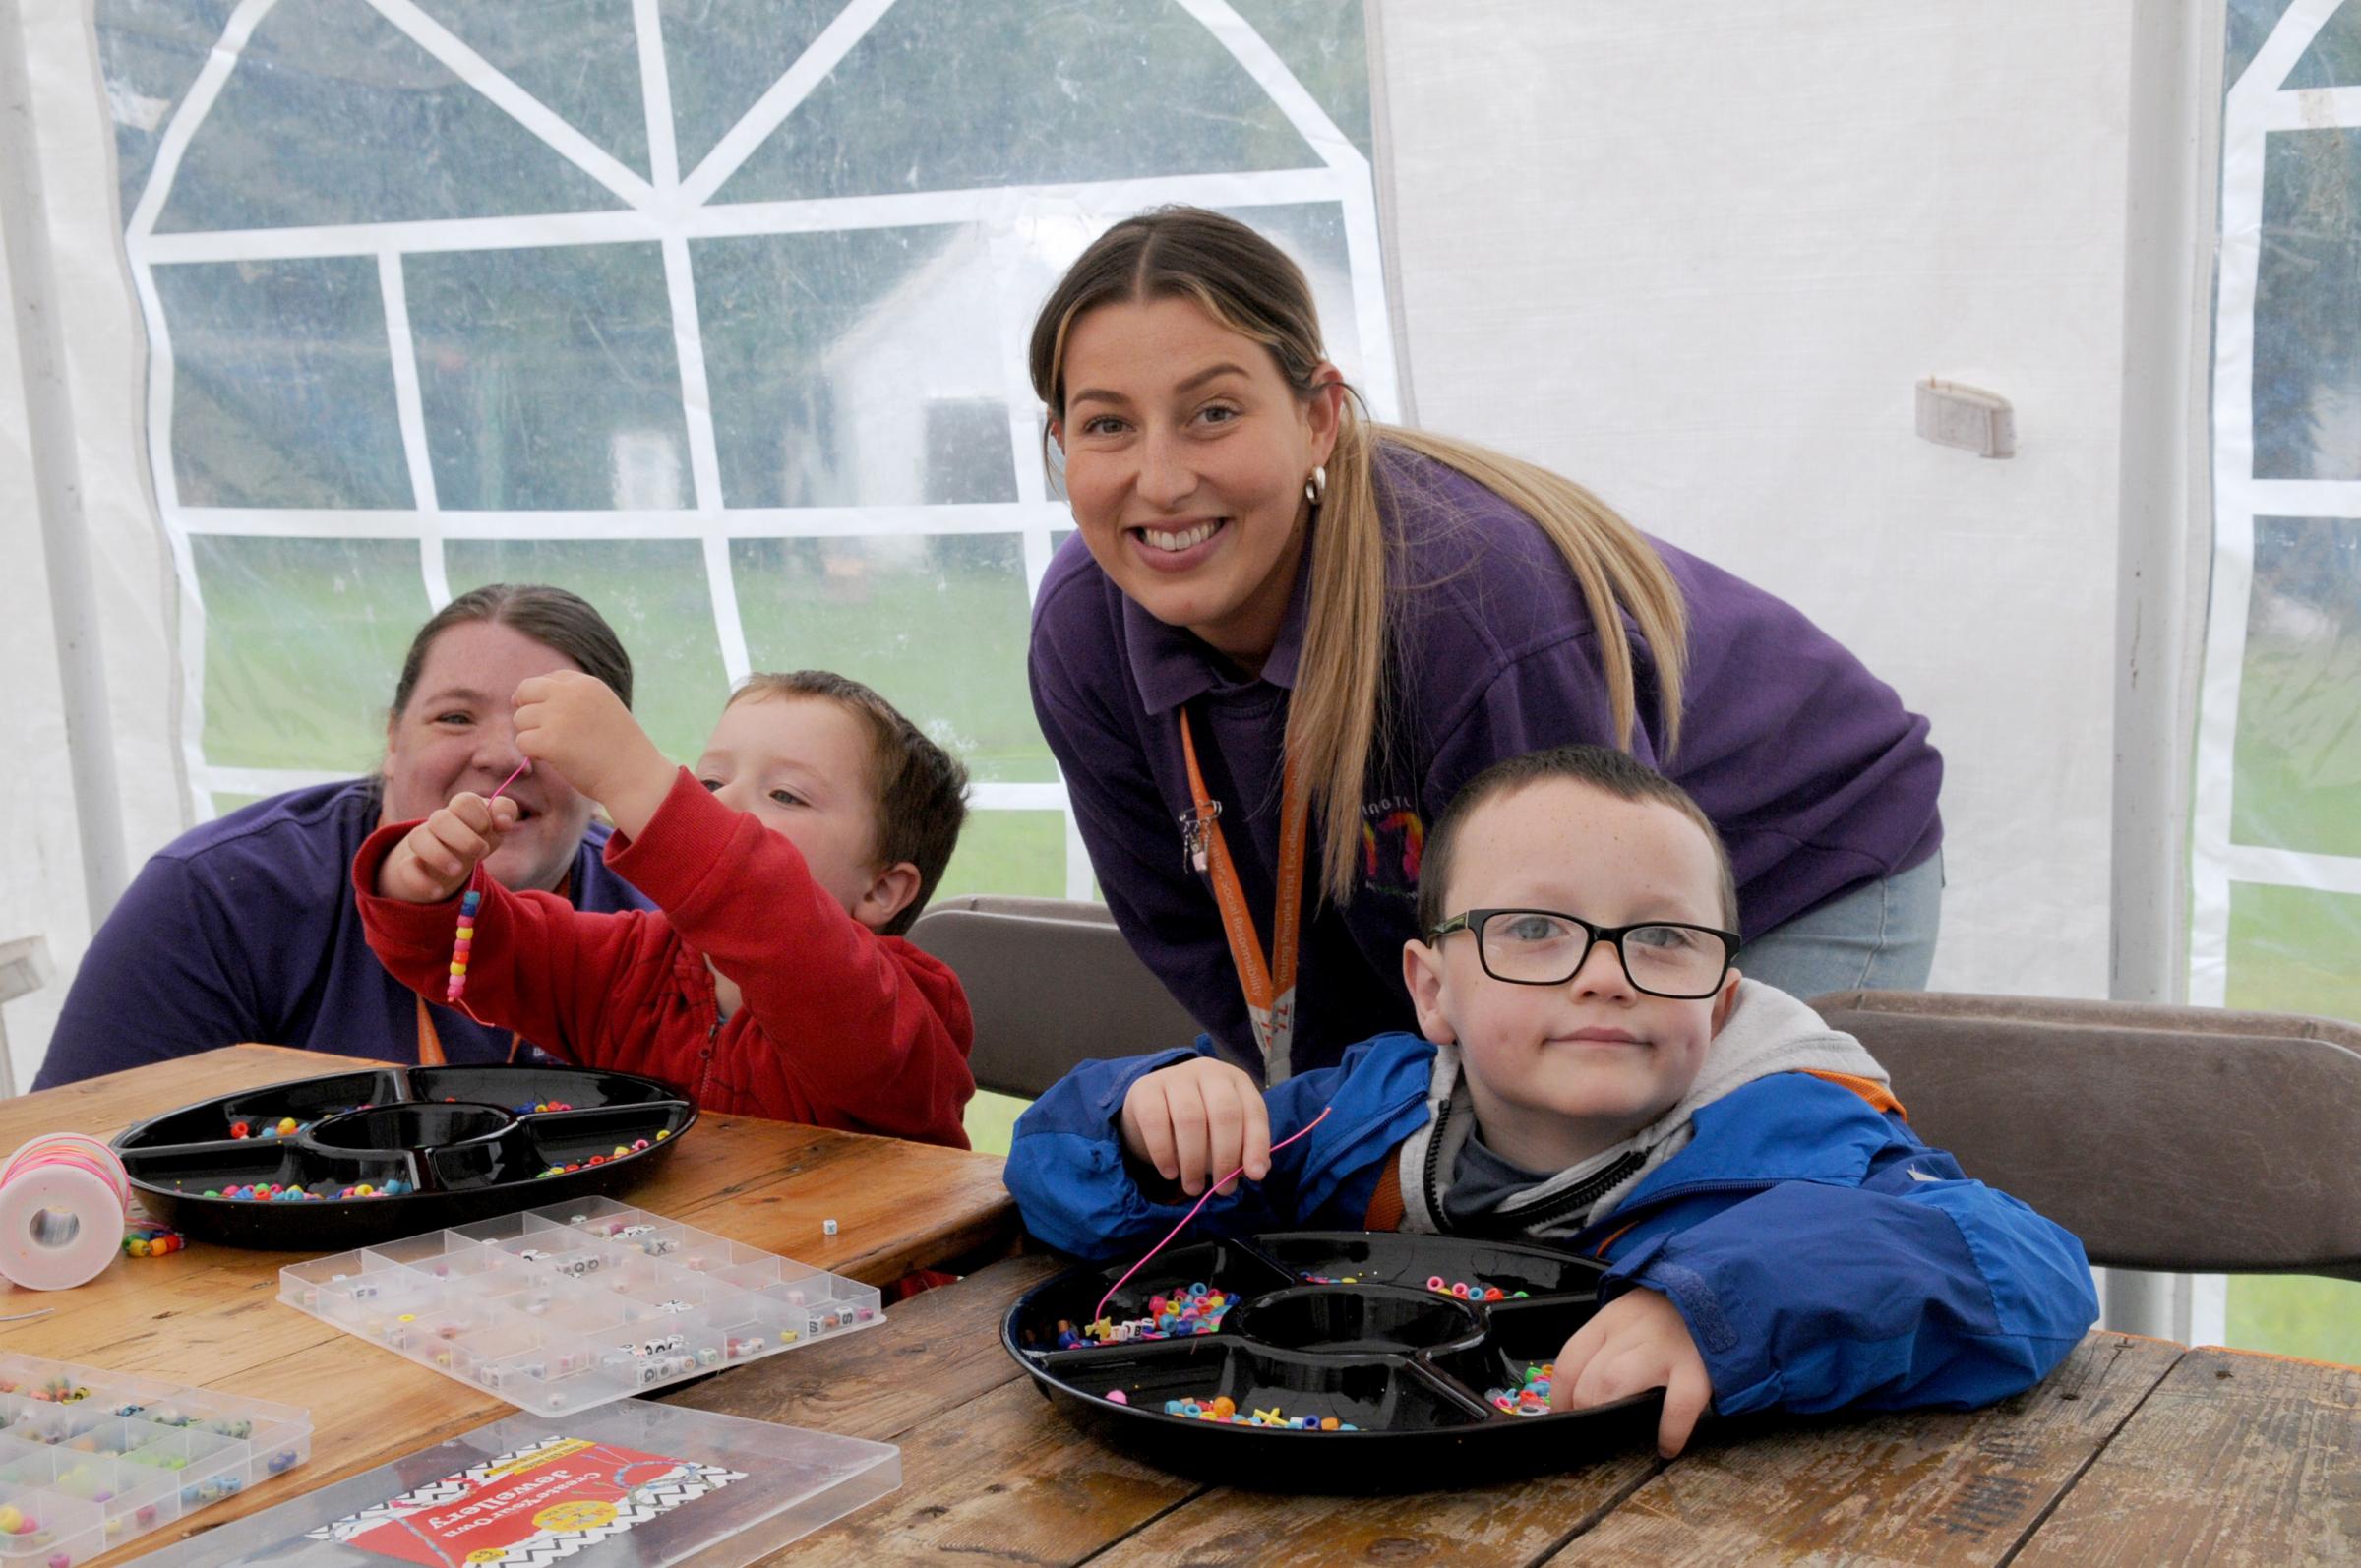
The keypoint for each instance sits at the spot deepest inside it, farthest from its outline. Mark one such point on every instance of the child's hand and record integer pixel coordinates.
(1635, 1343)
(433, 860)
(572, 722)
(1198, 1122)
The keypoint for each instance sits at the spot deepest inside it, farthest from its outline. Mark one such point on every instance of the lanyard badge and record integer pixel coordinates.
(1269, 985)
(1196, 834)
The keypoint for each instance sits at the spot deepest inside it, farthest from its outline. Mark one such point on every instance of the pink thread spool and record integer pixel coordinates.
(62, 1202)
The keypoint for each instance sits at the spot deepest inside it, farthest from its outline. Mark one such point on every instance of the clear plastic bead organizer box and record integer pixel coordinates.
(561, 1309)
(90, 1458)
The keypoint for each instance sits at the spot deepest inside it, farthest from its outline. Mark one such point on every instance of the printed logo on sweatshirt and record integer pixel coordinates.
(1393, 840)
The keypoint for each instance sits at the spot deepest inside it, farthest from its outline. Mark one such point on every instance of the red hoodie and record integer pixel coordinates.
(841, 1027)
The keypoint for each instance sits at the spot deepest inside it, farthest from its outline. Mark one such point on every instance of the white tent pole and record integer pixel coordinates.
(2165, 497)
(2174, 65)
(57, 489)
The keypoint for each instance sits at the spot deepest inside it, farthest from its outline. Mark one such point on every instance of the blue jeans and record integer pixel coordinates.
(1878, 937)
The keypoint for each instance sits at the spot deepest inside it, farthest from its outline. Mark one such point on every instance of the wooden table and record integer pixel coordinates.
(210, 1315)
(2134, 1452)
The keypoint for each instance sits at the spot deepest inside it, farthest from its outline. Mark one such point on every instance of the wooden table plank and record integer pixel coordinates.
(1505, 1526)
(2236, 1459)
(1912, 1489)
(210, 1315)
(933, 1354)
(998, 1479)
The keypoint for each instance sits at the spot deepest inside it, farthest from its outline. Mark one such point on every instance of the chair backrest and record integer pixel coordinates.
(1052, 983)
(2179, 1139)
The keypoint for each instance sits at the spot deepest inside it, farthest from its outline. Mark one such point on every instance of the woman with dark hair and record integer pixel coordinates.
(1287, 635)
(245, 928)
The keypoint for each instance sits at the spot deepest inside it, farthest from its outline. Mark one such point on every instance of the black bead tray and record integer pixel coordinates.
(1407, 1365)
(453, 1135)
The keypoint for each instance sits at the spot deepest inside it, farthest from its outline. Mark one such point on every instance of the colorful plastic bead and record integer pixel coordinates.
(1531, 1396)
(1224, 1409)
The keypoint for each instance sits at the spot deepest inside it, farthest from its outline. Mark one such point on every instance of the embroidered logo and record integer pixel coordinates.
(1393, 841)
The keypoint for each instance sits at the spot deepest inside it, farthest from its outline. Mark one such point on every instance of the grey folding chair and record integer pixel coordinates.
(1052, 983)
(2189, 1140)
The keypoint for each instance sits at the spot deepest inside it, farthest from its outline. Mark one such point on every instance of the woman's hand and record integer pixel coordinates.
(1197, 1121)
(573, 723)
(1635, 1343)
(435, 859)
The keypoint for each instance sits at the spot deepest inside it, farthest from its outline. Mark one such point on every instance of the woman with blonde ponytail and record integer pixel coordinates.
(1289, 633)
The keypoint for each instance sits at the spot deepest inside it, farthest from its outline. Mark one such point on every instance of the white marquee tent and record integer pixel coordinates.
(294, 351)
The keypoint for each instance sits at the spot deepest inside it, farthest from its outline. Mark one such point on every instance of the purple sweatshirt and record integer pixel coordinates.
(1817, 777)
(245, 928)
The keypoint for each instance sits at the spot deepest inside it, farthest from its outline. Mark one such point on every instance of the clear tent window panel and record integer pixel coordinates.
(282, 392)
(712, 310)
(858, 367)
(339, 115)
(1122, 90)
(2276, 861)
(2296, 767)
(883, 608)
(548, 379)
(2307, 356)
(303, 640)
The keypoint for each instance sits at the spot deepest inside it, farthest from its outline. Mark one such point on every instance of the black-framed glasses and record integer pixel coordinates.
(1545, 947)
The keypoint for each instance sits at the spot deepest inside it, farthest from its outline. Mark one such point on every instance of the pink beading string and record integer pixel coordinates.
(1100, 1309)
(469, 901)
(70, 1149)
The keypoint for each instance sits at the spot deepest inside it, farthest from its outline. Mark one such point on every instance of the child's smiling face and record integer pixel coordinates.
(1558, 1072)
(805, 767)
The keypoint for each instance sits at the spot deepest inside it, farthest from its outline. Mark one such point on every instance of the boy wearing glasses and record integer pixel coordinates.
(1596, 1077)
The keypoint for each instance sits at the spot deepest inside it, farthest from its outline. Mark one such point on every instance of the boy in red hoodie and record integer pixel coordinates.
(775, 980)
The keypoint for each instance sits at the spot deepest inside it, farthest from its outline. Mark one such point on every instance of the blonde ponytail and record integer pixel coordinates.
(1332, 721)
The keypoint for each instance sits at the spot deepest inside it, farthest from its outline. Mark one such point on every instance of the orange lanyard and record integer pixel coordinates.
(1270, 988)
(430, 1041)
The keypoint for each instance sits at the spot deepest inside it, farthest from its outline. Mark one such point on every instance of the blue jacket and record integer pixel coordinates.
(1821, 1255)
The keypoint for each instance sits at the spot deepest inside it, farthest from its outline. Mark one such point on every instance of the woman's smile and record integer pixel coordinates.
(1177, 546)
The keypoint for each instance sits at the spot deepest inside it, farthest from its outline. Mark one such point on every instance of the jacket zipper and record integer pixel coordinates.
(1434, 1157)
(713, 1034)
(1574, 1199)
(1522, 1220)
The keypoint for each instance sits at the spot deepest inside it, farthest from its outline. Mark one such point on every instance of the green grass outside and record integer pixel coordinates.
(992, 1118)
(2296, 762)
(1008, 852)
(303, 638)
(2296, 1314)
(937, 626)
(2294, 784)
